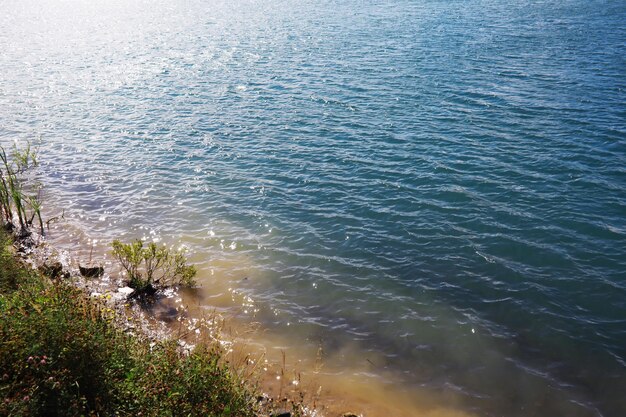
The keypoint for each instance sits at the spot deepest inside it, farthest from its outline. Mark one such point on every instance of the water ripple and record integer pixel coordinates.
(440, 182)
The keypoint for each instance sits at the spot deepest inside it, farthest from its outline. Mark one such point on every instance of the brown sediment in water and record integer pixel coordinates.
(328, 384)
(334, 389)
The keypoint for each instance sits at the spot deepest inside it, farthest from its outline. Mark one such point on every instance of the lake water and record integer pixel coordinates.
(432, 192)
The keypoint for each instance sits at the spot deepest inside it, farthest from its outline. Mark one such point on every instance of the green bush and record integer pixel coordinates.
(152, 266)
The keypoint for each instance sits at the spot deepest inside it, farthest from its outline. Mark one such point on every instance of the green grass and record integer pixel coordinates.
(61, 355)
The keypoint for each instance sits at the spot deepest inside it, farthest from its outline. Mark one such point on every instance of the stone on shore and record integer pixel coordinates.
(91, 272)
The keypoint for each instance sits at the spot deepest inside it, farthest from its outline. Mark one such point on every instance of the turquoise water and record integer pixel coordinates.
(441, 183)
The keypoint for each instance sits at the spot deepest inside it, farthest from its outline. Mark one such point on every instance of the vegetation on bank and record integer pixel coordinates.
(62, 355)
(18, 207)
(150, 267)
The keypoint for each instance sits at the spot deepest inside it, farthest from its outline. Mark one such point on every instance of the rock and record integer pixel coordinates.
(126, 290)
(93, 272)
(54, 270)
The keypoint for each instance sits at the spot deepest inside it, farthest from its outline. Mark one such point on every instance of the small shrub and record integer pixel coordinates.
(150, 267)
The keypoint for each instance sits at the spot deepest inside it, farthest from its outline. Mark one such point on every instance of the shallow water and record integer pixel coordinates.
(433, 192)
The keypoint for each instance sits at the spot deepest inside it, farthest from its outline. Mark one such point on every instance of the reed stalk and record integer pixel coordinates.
(13, 199)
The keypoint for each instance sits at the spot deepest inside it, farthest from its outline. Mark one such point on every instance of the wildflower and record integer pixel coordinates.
(42, 362)
(26, 398)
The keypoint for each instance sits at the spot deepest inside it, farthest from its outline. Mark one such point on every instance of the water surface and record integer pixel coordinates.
(439, 185)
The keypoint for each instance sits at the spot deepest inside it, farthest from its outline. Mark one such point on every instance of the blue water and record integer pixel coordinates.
(441, 182)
